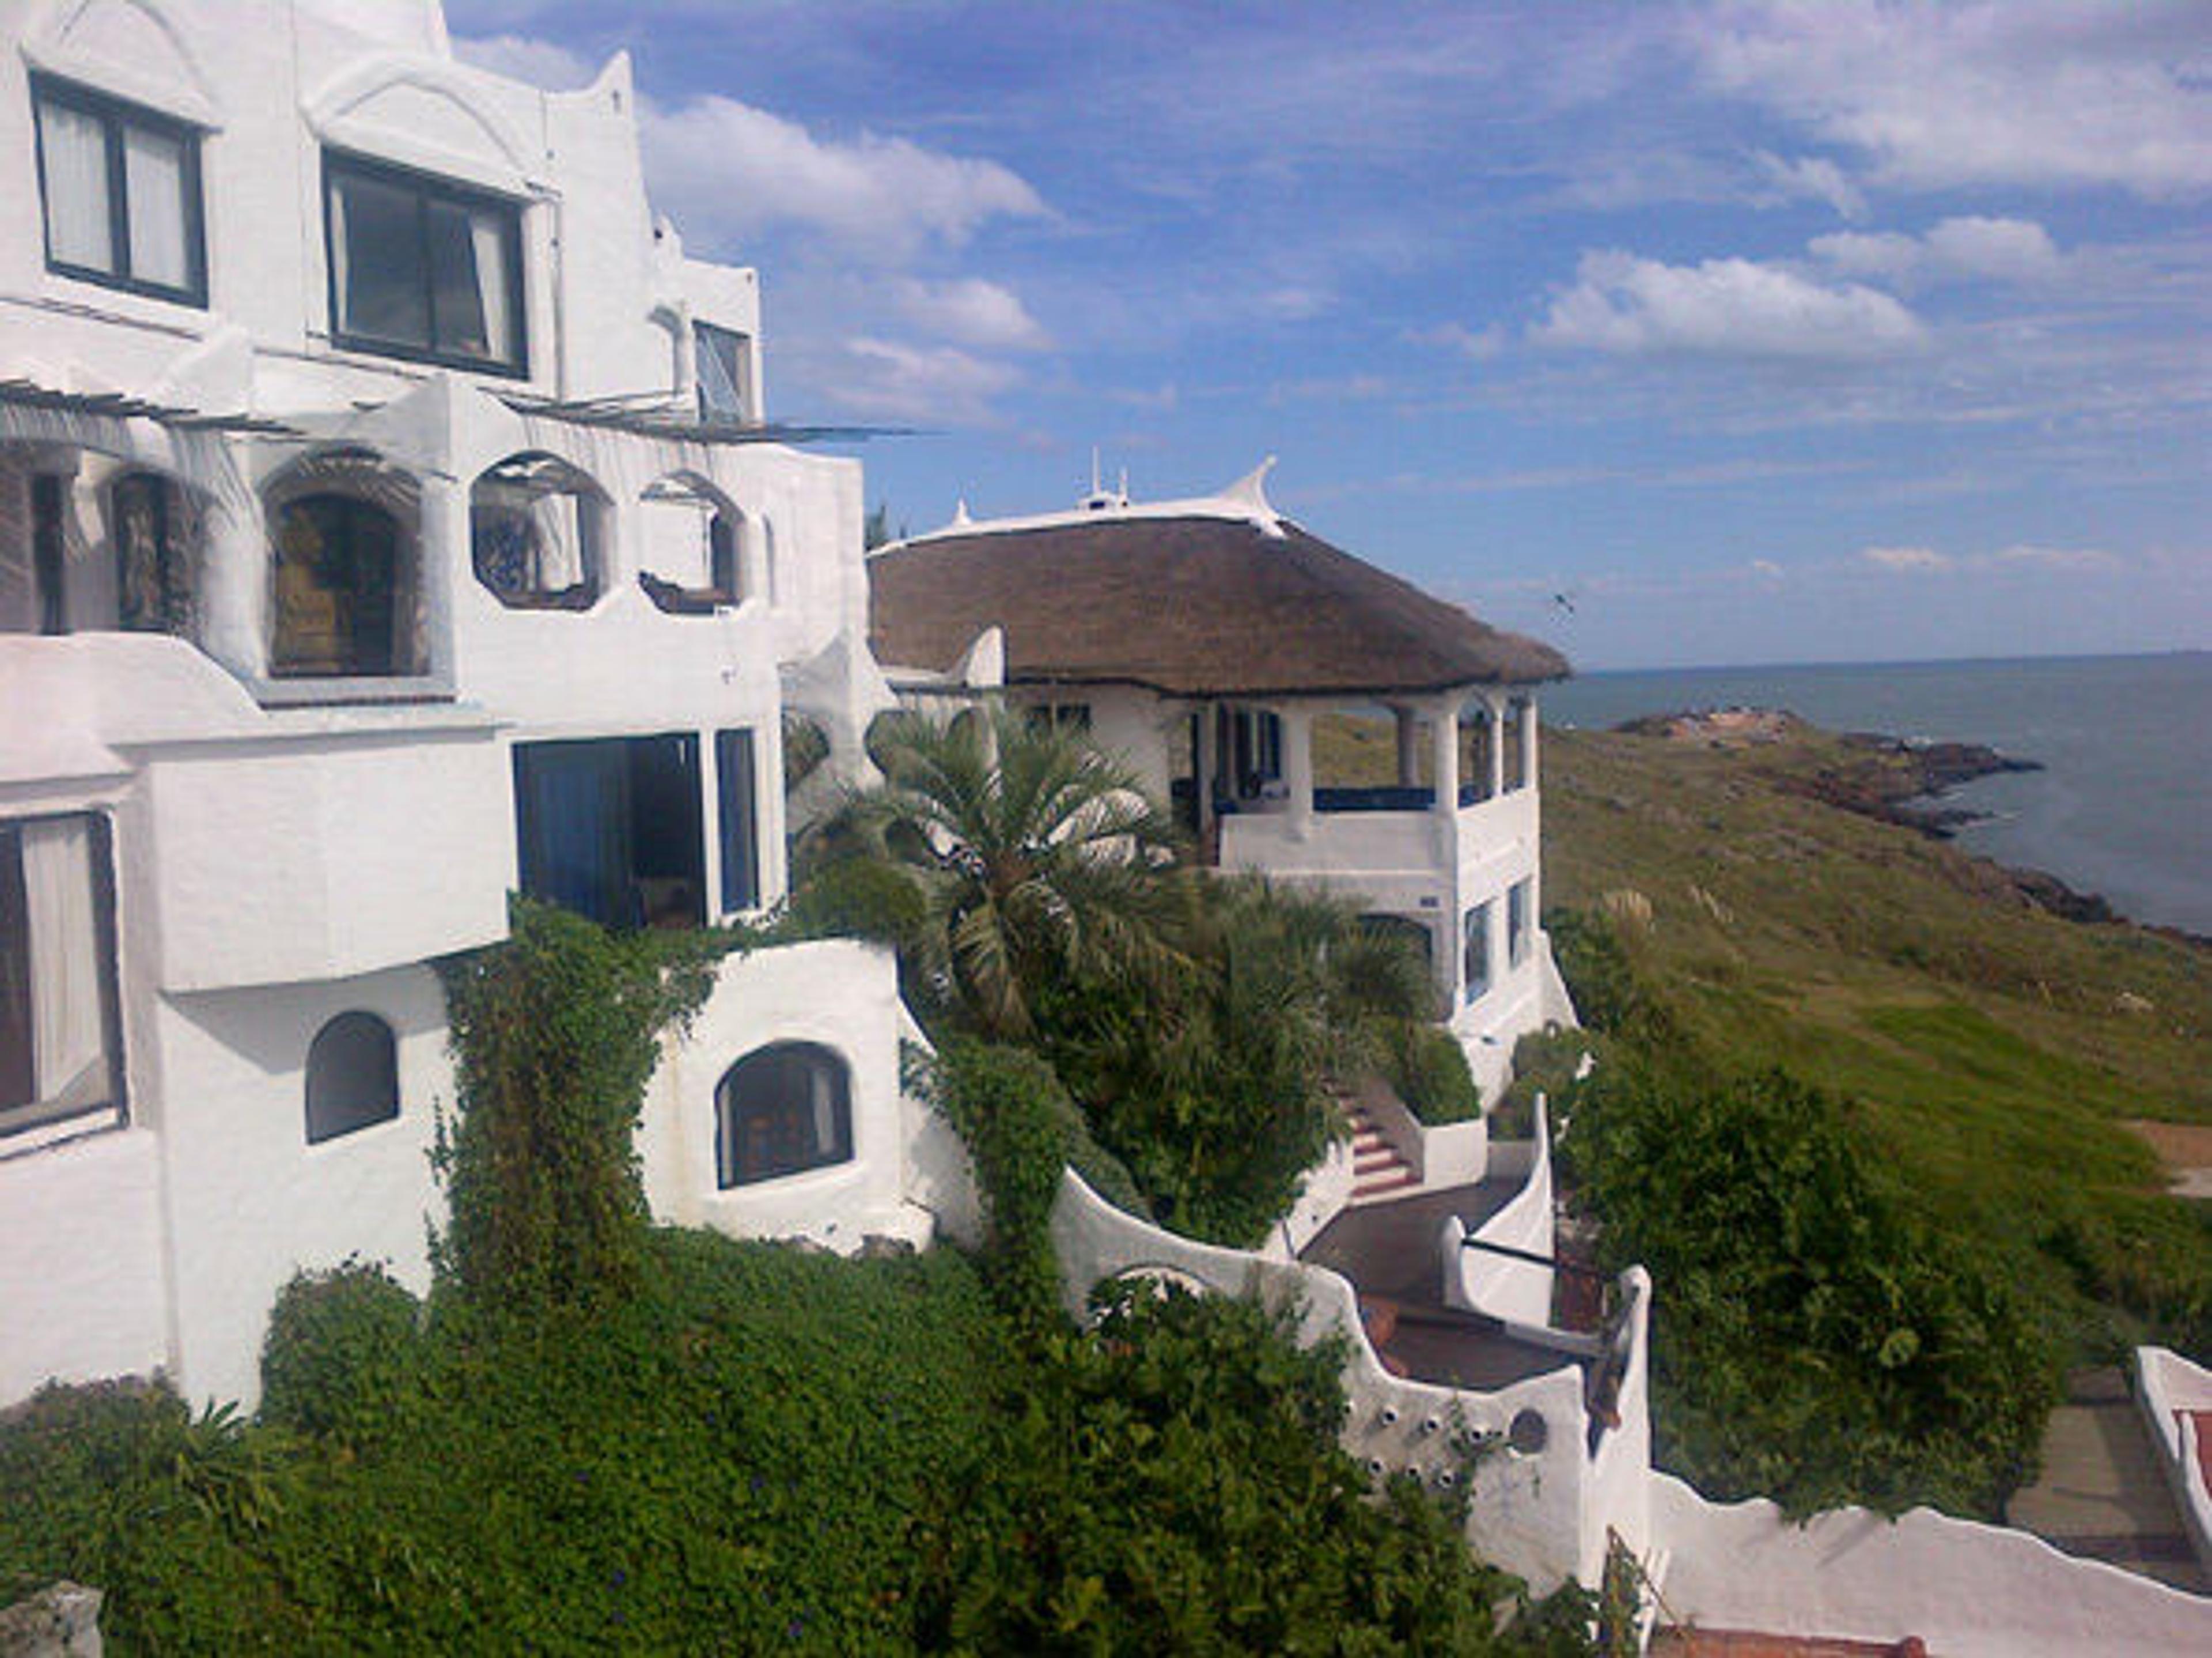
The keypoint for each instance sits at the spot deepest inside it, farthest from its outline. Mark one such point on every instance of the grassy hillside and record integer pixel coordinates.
(1993, 1050)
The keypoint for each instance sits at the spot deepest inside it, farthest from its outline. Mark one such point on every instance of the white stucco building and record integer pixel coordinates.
(389, 518)
(1311, 716)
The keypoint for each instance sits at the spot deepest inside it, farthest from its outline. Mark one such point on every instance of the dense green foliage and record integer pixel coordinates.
(341, 1345)
(1813, 1342)
(1428, 1068)
(1176, 1487)
(555, 1034)
(758, 1450)
(1012, 1113)
(1217, 1084)
(1203, 1027)
(1995, 1056)
(1032, 857)
(1544, 1062)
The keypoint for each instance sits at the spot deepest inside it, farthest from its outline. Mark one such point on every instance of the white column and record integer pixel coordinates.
(1209, 761)
(1497, 708)
(443, 547)
(1297, 765)
(1444, 732)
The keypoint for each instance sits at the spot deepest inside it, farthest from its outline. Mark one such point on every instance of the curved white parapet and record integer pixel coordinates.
(1967, 1590)
(1542, 1514)
(2175, 1396)
(1505, 1286)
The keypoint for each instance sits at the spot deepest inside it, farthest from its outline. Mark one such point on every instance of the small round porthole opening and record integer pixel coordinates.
(1528, 1433)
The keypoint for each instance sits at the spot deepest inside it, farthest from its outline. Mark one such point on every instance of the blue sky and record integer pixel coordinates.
(1761, 332)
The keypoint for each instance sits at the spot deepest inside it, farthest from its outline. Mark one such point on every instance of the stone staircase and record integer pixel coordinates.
(1378, 1171)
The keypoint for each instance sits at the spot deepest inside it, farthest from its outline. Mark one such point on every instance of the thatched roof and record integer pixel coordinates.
(1196, 606)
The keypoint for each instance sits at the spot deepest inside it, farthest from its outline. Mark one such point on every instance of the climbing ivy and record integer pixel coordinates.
(555, 1034)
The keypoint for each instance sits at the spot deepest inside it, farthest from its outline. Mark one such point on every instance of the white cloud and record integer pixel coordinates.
(2001, 250)
(725, 169)
(523, 58)
(2065, 561)
(730, 168)
(1904, 558)
(2076, 559)
(1766, 568)
(1474, 344)
(970, 311)
(940, 385)
(1722, 307)
(2046, 93)
(1815, 177)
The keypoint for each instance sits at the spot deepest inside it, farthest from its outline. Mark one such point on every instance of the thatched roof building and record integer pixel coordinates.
(1208, 598)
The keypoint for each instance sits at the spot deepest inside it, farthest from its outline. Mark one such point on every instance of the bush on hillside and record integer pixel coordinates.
(1428, 1068)
(1815, 1343)
(1176, 1486)
(342, 1352)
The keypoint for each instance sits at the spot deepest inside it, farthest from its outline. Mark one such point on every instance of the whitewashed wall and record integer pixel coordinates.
(2165, 1384)
(840, 994)
(84, 1292)
(248, 1201)
(1967, 1590)
(1517, 1291)
(1543, 1514)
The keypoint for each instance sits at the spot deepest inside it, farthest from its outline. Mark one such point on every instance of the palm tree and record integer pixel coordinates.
(1036, 857)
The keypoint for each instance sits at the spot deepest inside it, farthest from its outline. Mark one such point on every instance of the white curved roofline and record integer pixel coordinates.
(1245, 499)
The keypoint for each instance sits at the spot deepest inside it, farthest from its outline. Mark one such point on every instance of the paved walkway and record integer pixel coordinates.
(2102, 1494)
(1388, 1251)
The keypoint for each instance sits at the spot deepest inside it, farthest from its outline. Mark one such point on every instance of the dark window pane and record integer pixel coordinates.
(733, 769)
(457, 287)
(376, 251)
(18, 1074)
(780, 1111)
(353, 1076)
(338, 575)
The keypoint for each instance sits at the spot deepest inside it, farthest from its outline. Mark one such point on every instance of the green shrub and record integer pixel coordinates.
(1816, 1344)
(342, 1354)
(1012, 1113)
(1428, 1068)
(856, 898)
(1544, 1062)
(1176, 1485)
(555, 1034)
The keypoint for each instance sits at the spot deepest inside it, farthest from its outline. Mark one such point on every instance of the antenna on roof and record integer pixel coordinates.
(1101, 499)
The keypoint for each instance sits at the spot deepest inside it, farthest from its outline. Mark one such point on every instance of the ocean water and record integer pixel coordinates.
(2122, 806)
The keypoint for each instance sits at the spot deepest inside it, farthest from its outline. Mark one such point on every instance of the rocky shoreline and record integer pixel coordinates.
(1895, 780)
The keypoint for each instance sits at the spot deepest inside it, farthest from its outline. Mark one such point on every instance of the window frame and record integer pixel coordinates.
(704, 334)
(358, 1125)
(1474, 933)
(844, 1147)
(37, 1123)
(427, 188)
(114, 114)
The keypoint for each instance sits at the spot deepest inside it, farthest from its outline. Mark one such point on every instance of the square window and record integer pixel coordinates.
(120, 189)
(423, 267)
(724, 360)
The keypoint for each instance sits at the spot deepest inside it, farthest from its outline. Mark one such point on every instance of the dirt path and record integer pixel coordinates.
(2185, 1148)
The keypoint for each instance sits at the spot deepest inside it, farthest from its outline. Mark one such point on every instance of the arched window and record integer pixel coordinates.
(353, 1077)
(690, 558)
(344, 530)
(779, 1110)
(536, 524)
